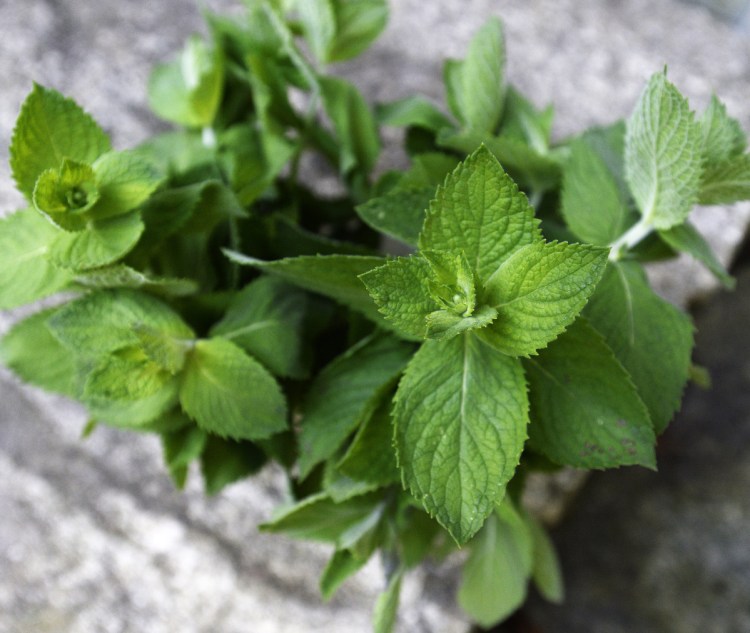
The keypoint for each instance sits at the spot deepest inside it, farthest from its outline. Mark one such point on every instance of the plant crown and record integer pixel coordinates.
(214, 298)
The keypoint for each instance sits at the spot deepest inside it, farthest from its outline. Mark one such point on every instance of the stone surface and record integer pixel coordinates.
(670, 551)
(92, 536)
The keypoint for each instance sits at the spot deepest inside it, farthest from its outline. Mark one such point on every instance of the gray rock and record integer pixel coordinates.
(669, 552)
(92, 536)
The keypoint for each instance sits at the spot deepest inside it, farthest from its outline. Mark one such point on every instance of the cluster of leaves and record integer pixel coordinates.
(213, 298)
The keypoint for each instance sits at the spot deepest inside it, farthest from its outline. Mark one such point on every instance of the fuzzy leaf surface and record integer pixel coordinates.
(230, 394)
(460, 418)
(726, 182)
(479, 211)
(686, 238)
(538, 292)
(722, 135)
(663, 154)
(50, 128)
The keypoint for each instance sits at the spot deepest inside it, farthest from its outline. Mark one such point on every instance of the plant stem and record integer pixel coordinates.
(633, 236)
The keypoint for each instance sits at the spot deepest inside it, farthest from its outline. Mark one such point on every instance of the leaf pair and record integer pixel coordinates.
(486, 288)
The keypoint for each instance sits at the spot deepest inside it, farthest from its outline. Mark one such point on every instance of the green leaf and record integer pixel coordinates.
(319, 24)
(338, 398)
(663, 154)
(685, 238)
(354, 125)
(265, 319)
(180, 448)
(102, 243)
(371, 456)
(651, 338)
(585, 410)
(188, 90)
(460, 417)
(319, 518)
(476, 85)
(335, 276)
(479, 211)
(592, 204)
(105, 321)
(124, 182)
(726, 182)
(412, 112)
(722, 135)
(525, 165)
(230, 394)
(38, 358)
(494, 582)
(66, 195)
(121, 276)
(343, 565)
(386, 606)
(400, 213)
(358, 24)
(546, 572)
(50, 128)
(26, 274)
(225, 461)
(400, 290)
(538, 292)
(522, 120)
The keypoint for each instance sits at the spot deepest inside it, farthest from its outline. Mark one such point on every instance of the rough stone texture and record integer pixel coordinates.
(92, 536)
(670, 551)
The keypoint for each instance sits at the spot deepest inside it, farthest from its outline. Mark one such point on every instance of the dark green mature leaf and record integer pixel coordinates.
(50, 128)
(593, 205)
(339, 396)
(538, 292)
(335, 276)
(663, 154)
(476, 86)
(479, 212)
(723, 136)
(230, 394)
(495, 576)
(400, 213)
(225, 461)
(651, 338)
(585, 411)
(386, 606)
(400, 289)
(685, 238)
(371, 456)
(105, 321)
(319, 518)
(26, 274)
(265, 319)
(726, 182)
(460, 417)
(30, 350)
(101, 244)
(354, 124)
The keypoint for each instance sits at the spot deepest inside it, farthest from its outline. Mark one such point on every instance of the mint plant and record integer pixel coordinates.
(206, 293)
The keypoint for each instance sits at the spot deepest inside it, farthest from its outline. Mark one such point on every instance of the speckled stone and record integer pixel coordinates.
(92, 535)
